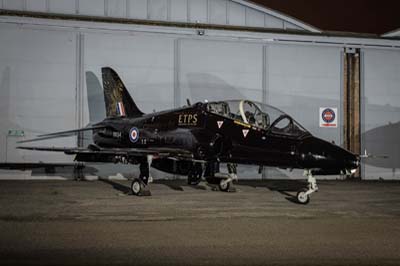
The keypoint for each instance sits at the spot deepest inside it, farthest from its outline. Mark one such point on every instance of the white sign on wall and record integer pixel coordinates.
(328, 117)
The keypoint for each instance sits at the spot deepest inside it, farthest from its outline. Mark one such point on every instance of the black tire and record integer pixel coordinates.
(194, 181)
(224, 186)
(136, 187)
(302, 198)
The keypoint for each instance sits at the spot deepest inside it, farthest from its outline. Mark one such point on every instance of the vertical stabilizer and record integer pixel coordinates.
(116, 96)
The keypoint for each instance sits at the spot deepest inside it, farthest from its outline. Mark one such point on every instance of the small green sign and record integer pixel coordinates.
(16, 133)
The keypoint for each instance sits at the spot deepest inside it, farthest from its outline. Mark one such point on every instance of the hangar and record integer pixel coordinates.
(167, 51)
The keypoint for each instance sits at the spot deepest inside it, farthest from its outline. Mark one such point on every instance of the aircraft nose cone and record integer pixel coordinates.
(353, 162)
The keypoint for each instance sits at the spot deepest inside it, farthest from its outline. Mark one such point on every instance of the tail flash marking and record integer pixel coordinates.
(121, 109)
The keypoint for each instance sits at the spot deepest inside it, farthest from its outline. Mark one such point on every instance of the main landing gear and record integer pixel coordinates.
(303, 196)
(139, 186)
(223, 180)
(227, 180)
(195, 173)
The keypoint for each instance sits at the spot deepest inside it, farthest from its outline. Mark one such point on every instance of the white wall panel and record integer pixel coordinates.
(382, 113)
(291, 26)
(36, 5)
(158, 9)
(117, 8)
(198, 11)
(62, 6)
(216, 70)
(179, 10)
(37, 87)
(254, 18)
(301, 79)
(91, 7)
(145, 65)
(14, 4)
(273, 22)
(217, 11)
(137, 9)
(236, 14)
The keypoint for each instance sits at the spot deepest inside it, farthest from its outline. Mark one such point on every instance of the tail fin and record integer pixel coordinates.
(116, 96)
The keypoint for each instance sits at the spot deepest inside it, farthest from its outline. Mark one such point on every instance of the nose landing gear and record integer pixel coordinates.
(303, 196)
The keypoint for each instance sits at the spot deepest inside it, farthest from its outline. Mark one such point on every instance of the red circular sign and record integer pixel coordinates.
(328, 115)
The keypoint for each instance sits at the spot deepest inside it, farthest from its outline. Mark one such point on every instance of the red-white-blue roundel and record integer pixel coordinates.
(134, 134)
(328, 115)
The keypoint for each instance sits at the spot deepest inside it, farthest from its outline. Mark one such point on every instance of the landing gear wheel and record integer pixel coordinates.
(136, 187)
(223, 185)
(302, 197)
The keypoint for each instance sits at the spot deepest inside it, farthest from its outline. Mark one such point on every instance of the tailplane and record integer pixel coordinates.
(116, 96)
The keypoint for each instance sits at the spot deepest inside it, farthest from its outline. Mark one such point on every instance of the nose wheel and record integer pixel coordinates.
(302, 197)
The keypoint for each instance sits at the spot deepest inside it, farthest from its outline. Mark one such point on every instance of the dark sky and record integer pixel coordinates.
(362, 16)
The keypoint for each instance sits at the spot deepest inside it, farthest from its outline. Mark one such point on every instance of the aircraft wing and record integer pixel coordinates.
(33, 165)
(61, 134)
(95, 153)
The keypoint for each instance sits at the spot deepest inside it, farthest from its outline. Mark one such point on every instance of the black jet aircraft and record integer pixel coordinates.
(194, 139)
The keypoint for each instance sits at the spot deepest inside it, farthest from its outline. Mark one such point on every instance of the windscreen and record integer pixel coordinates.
(257, 114)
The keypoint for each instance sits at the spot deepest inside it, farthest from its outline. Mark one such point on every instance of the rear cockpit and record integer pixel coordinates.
(258, 115)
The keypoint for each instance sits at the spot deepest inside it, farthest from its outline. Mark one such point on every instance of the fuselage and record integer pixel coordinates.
(228, 136)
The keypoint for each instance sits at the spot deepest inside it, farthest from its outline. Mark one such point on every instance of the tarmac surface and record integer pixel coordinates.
(101, 223)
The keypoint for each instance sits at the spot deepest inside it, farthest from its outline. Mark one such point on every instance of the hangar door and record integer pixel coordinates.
(217, 70)
(381, 113)
(37, 90)
(220, 70)
(300, 80)
(304, 78)
(144, 63)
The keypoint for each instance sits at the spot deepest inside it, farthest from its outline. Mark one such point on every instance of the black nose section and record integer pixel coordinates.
(351, 161)
(351, 164)
(320, 154)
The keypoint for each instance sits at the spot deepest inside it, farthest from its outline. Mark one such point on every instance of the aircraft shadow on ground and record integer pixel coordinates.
(288, 188)
(117, 186)
(178, 185)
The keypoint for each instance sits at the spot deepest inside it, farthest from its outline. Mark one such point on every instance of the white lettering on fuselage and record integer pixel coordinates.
(187, 120)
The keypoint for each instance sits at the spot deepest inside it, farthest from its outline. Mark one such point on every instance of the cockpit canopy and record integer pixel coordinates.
(259, 115)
